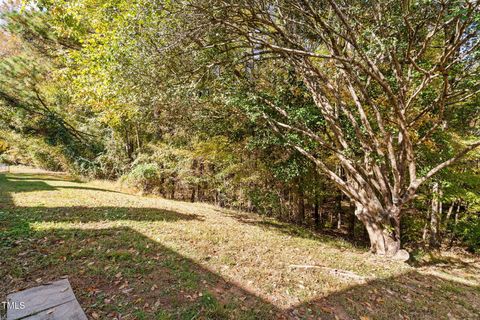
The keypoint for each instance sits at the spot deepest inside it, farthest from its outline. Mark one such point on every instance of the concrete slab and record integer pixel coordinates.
(52, 301)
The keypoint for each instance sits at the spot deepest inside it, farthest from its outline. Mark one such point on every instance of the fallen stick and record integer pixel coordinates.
(336, 272)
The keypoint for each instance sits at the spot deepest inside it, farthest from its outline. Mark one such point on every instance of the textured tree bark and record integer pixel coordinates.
(457, 213)
(335, 78)
(382, 241)
(200, 195)
(384, 234)
(434, 215)
(449, 212)
(192, 196)
(172, 194)
(339, 220)
(351, 226)
(338, 212)
(300, 218)
(317, 218)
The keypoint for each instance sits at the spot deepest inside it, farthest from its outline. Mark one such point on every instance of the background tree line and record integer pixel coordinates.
(322, 113)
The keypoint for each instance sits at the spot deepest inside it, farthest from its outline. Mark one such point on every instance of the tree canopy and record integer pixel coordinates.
(287, 108)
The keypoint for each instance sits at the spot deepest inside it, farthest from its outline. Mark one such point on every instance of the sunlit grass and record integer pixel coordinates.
(147, 258)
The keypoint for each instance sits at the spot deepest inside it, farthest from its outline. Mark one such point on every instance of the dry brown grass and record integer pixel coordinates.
(151, 258)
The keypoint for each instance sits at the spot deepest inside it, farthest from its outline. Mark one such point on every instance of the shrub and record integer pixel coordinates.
(468, 230)
(47, 159)
(144, 176)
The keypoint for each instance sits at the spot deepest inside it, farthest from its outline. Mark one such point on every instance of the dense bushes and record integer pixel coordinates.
(32, 151)
(467, 230)
(145, 176)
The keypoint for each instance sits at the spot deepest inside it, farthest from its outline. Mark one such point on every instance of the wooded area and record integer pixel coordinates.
(354, 118)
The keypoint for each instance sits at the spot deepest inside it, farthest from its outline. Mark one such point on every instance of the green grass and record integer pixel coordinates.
(150, 258)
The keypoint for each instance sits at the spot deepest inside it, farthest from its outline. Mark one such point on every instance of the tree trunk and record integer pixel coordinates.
(172, 194)
(338, 209)
(449, 212)
(434, 216)
(192, 196)
(381, 241)
(351, 227)
(365, 233)
(457, 213)
(316, 214)
(300, 218)
(384, 237)
(425, 232)
(200, 195)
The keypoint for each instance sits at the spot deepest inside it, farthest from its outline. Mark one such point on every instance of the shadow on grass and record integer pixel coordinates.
(42, 177)
(98, 214)
(324, 235)
(79, 213)
(409, 296)
(29, 183)
(446, 263)
(119, 272)
(23, 186)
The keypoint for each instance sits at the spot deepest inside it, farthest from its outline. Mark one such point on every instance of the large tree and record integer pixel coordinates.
(386, 76)
(367, 90)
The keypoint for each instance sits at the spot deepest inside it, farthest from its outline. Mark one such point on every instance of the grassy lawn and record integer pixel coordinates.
(135, 257)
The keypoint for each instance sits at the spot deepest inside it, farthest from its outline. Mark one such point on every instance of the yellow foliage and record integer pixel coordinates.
(3, 146)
